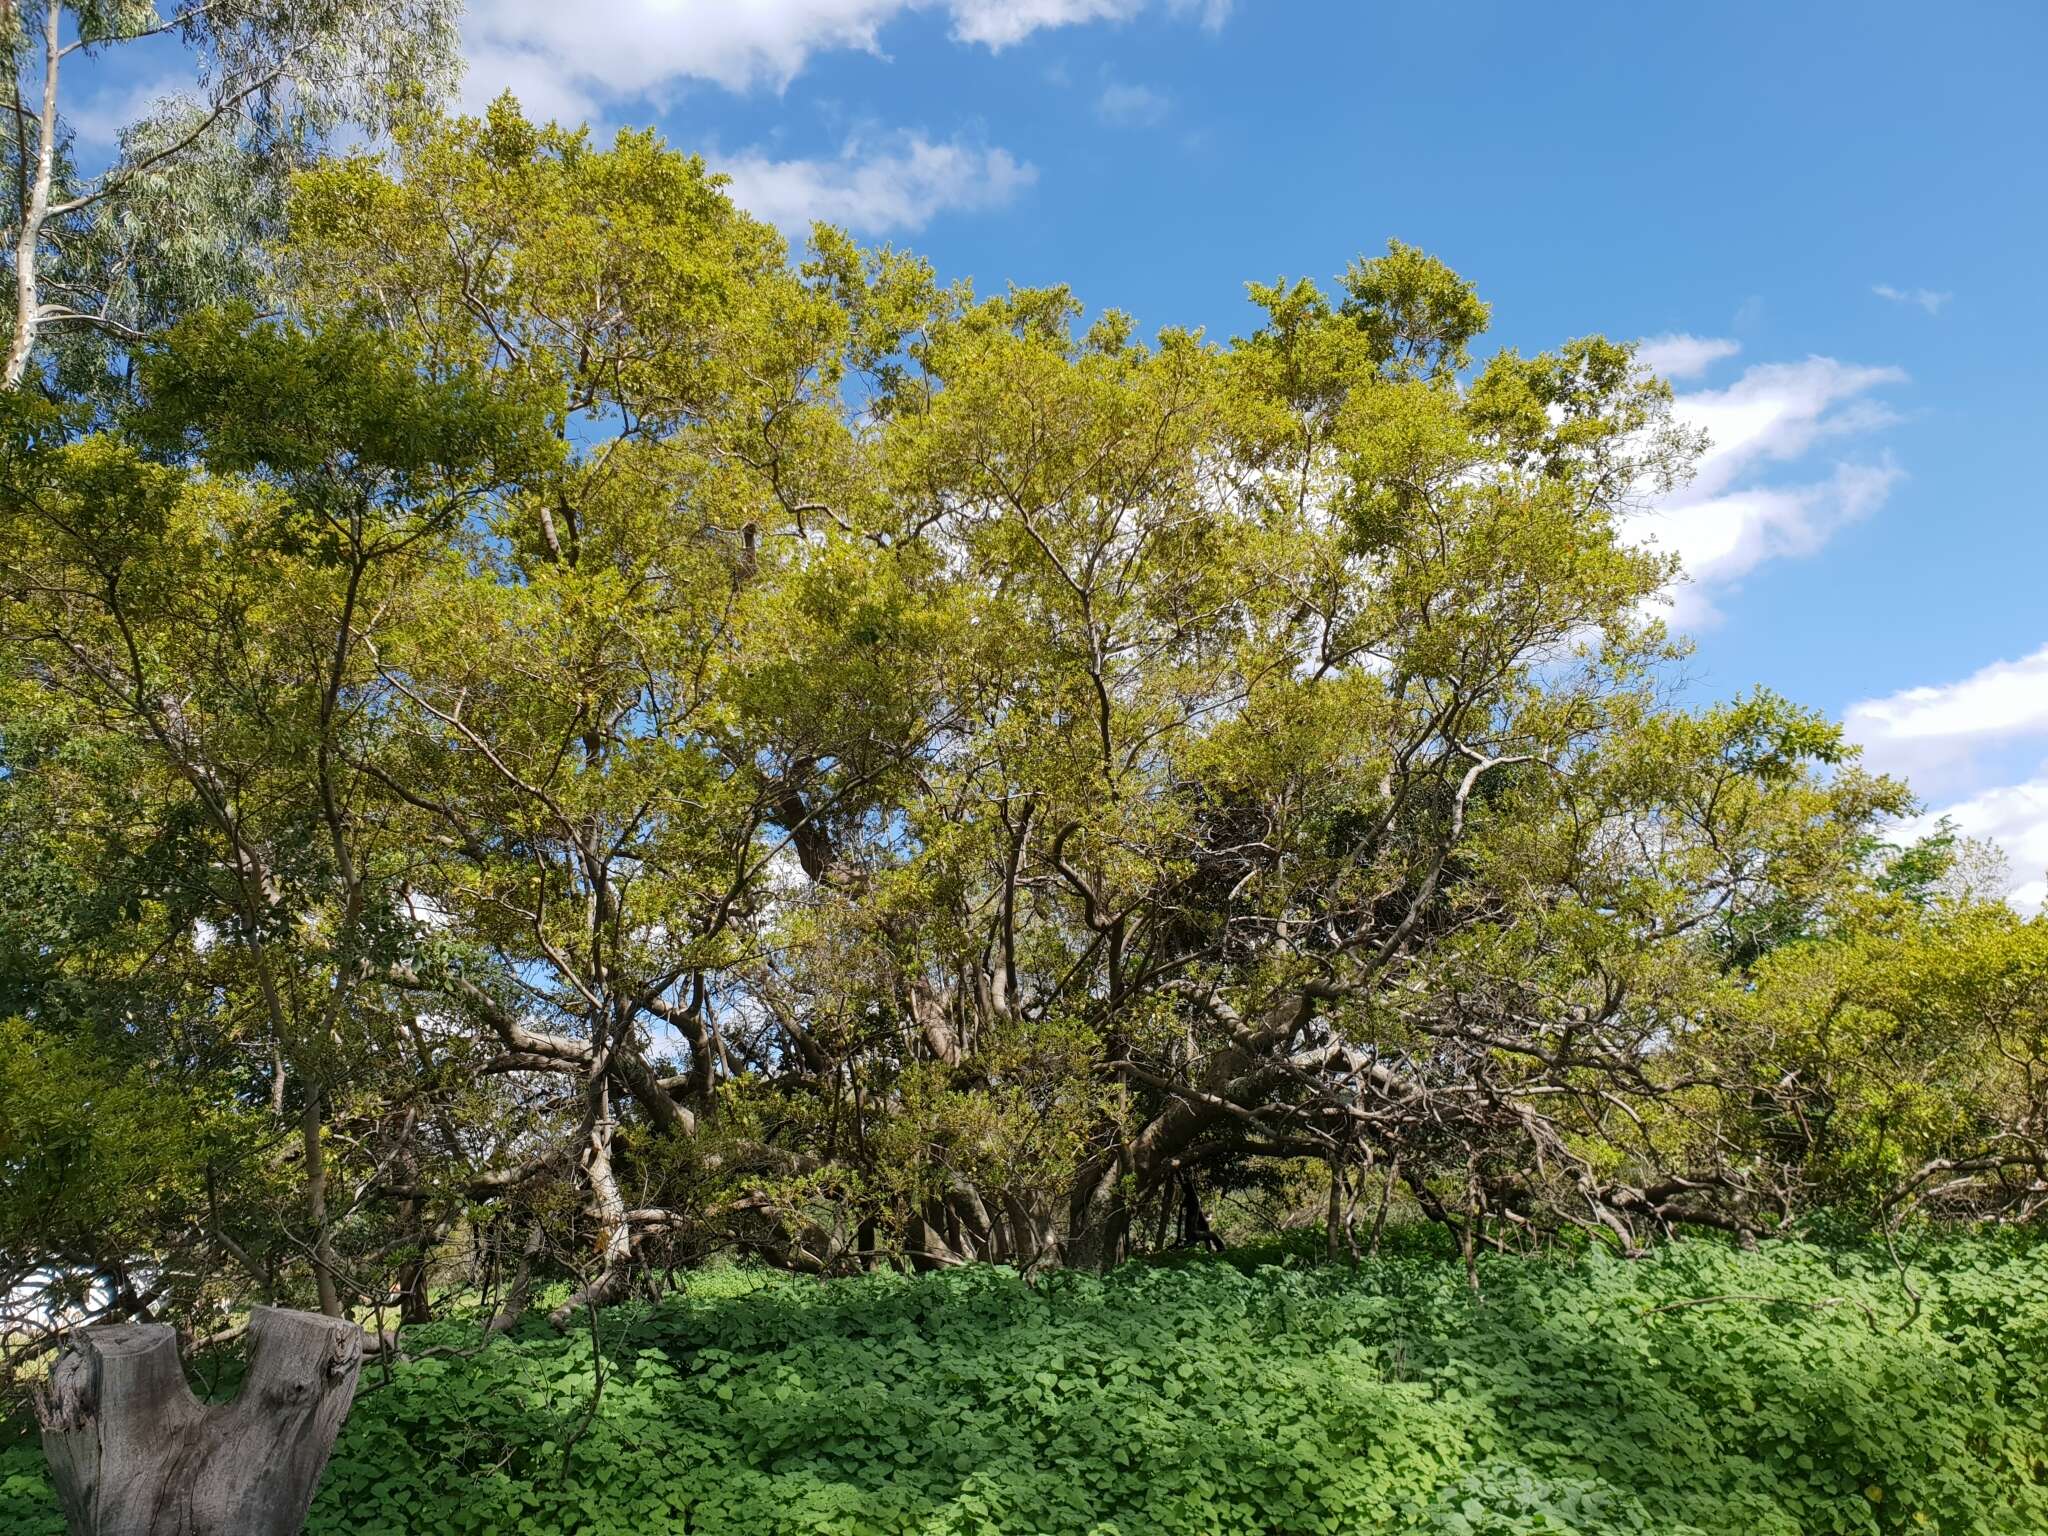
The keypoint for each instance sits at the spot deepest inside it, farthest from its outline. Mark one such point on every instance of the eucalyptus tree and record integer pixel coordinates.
(191, 186)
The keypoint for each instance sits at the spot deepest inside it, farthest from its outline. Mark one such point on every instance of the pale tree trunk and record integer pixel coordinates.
(1034, 1232)
(928, 1009)
(615, 1251)
(513, 1307)
(28, 244)
(133, 1453)
(1099, 1201)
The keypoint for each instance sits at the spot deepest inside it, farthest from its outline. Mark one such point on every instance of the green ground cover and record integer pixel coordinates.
(1592, 1396)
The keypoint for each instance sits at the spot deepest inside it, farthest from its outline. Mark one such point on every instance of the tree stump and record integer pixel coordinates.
(134, 1453)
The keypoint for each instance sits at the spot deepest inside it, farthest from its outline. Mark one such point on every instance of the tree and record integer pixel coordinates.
(1176, 754)
(177, 217)
(1895, 1057)
(191, 606)
(623, 745)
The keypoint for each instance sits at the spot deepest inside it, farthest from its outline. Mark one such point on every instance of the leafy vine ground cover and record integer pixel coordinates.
(1220, 1397)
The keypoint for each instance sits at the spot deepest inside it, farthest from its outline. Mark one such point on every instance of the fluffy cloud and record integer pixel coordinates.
(1926, 298)
(1000, 23)
(581, 55)
(1678, 355)
(2015, 818)
(1780, 410)
(1937, 737)
(1732, 517)
(1926, 731)
(899, 184)
(1721, 538)
(568, 60)
(1935, 734)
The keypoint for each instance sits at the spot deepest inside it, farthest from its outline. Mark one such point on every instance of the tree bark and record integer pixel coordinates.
(133, 1453)
(1098, 1216)
(513, 1307)
(316, 1203)
(607, 1204)
(1336, 1225)
(28, 244)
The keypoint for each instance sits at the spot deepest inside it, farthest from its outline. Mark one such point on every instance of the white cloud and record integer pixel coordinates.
(1131, 106)
(1941, 737)
(2015, 818)
(1778, 411)
(1000, 23)
(900, 184)
(545, 91)
(1722, 538)
(574, 59)
(1926, 731)
(1677, 355)
(1730, 518)
(1926, 298)
(642, 46)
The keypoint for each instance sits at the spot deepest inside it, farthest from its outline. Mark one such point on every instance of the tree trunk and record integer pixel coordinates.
(134, 1453)
(316, 1203)
(1098, 1217)
(1195, 1230)
(1337, 1225)
(27, 293)
(607, 1204)
(513, 1307)
(929, 1009)
(414, 1304)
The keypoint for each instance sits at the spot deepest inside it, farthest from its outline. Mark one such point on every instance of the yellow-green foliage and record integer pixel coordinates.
(1900, 1055)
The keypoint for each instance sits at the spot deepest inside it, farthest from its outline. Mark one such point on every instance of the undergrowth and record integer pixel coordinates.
(1700, 1392)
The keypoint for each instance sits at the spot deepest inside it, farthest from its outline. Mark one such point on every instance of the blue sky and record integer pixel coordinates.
(1829, 220)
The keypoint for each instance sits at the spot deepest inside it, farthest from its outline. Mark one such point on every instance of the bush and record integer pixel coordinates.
(1590, 1396)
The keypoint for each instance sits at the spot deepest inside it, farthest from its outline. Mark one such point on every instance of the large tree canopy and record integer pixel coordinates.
(586, 734)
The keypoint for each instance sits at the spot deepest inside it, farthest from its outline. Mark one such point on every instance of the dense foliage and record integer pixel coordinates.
(1699, 1391)
(579, 741)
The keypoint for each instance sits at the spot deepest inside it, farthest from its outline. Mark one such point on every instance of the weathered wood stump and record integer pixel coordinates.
(134, 1453)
